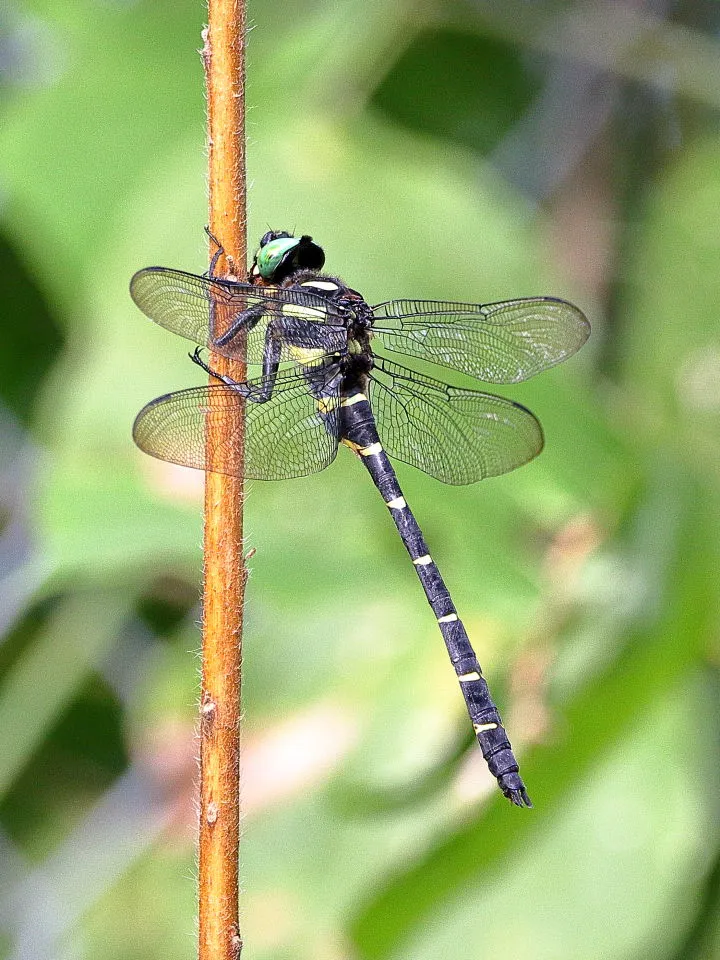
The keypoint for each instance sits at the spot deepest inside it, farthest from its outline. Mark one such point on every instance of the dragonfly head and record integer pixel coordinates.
(281, 255)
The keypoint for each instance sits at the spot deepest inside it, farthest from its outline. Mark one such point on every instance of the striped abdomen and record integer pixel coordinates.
(360, 434)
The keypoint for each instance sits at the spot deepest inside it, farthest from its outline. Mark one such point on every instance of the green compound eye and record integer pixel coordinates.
(280, 256)
(273, 254)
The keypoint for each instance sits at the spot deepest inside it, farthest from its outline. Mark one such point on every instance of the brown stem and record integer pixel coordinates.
(224, 582)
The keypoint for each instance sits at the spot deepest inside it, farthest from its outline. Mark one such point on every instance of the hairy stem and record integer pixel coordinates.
(224, 573)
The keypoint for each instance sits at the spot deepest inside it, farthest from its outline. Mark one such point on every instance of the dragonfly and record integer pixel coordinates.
(326, 381)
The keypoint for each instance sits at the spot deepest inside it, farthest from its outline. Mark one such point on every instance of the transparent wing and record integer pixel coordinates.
(497, 342)
(457, 436)
(238, 314)
(293, 434)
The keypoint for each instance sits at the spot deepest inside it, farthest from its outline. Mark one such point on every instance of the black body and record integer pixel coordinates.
(323, 385)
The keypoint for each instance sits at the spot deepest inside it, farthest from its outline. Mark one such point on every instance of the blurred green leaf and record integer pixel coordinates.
(81, 754)
(79, 632)
(479, 87)
(109, 110)
(671, 355)
(31, 340)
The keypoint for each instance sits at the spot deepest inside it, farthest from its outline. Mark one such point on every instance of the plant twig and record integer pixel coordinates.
(224, 582)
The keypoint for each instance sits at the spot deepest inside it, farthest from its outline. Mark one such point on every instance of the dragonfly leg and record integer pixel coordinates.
(216, 256)
(304, 333)
(271, 363)
(198, 360)
(244, 322)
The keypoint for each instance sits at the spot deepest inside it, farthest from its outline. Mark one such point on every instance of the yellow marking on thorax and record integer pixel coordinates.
(450, 618)
(326, 406)
(305, 313)
(320, 284)
(397, 504)
(305, 355)
(480, 727)
(469, 677)
(356, 398)
(423, 561)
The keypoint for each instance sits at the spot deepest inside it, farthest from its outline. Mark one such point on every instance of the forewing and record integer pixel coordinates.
(498, 342)
(232, 318)
(455, 435)
(286, 436)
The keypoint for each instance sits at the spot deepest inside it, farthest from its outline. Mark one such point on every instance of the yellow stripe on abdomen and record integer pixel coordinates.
(363, 451)
(356, 398)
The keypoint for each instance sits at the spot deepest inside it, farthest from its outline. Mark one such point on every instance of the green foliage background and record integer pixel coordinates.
(461, 150)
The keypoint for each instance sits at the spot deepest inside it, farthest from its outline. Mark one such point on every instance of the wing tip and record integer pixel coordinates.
(136, 282)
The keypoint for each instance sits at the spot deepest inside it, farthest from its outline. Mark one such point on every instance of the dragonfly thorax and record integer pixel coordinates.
(357, 314)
